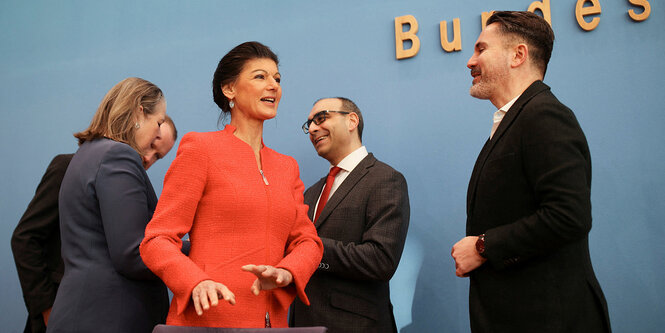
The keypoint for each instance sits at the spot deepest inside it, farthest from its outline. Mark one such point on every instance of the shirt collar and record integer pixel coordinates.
(352, 160)
(508, 105)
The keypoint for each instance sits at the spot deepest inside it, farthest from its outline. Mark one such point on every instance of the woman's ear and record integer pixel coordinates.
(140, 113)
(229, 91)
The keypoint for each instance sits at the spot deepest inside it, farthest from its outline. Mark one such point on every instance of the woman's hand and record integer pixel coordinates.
(208, 292)
(268, 277)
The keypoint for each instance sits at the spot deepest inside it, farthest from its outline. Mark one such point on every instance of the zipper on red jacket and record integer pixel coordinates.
(267, 237)
(265, 180)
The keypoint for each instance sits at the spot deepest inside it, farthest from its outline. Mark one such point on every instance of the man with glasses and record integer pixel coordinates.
(361, 213)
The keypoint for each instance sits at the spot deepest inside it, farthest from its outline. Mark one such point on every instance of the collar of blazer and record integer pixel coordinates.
(349, 183)
(534, 89)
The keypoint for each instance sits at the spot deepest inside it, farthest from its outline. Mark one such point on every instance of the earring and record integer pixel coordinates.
(137, 125)
(231, 104)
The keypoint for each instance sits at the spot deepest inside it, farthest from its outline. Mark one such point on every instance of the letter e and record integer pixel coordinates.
(581, 11)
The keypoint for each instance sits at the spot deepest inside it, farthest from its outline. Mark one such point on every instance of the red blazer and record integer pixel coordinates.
(215, 192)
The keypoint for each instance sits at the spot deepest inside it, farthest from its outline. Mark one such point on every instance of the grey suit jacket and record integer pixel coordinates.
(363, 228)
(106, 200)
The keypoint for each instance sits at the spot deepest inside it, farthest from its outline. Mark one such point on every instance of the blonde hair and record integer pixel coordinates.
(117, 114)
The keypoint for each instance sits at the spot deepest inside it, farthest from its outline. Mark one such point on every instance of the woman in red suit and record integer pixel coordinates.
(253, 248)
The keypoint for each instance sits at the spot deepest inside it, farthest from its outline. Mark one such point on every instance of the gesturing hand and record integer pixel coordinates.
(207, 293)
(268, 277)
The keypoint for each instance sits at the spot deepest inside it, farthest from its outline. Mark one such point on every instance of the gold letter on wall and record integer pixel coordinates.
(646, 11)
(401, 36)
(456, 44)
(581, 11)
(483, 18)
(544, 7)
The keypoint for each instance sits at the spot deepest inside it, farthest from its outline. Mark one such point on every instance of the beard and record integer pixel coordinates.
(490, 81)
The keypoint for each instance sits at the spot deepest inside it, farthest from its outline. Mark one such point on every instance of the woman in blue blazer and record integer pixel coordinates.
(106, 200)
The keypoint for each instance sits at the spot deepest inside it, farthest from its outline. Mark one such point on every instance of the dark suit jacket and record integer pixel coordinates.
(363, 228)
(530, 195)
(36, 245)
(106, 200)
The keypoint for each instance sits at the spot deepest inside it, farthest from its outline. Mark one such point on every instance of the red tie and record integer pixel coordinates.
(326, 190)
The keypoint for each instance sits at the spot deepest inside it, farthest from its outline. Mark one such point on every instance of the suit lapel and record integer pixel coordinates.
(312, 194)
(471, 191)
(512, 114)
(349, 183)
(152, 197)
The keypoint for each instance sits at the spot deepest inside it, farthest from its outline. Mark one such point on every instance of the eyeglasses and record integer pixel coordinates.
(319, 118)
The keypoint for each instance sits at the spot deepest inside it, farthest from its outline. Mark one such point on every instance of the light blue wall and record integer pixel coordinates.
(58, 59)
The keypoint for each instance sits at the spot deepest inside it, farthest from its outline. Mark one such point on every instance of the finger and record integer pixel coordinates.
(254, 269)
(227, 295)
(203, 299)
(256, 287)
(195, 300)
(248, 268)
(211, 294)
(287, 277)
(269, 271)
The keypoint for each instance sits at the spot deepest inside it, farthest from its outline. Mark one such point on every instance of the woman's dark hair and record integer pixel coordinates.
(232, 64)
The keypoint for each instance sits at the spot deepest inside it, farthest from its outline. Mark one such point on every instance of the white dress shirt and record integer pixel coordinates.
(499, 114)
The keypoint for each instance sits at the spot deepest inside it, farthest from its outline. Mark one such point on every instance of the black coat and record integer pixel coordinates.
(363, 227)
(36, 245)
(529, 194)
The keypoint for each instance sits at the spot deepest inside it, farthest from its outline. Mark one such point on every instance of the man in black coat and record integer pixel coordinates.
(528, 205)
(362, 225)
(36, 239)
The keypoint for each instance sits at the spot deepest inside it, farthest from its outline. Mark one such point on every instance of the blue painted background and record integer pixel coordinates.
(59, 58)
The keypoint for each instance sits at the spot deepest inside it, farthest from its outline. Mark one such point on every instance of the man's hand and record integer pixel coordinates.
(208, 292)
(466, 256)
(268, 277)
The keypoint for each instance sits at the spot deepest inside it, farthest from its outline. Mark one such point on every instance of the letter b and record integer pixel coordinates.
(401, 36)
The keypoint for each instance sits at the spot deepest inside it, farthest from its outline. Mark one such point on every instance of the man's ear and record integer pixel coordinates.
(229, 90)
(353, 121)
(520, 55)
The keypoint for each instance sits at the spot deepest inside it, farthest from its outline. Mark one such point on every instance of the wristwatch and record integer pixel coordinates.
(480, 245)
